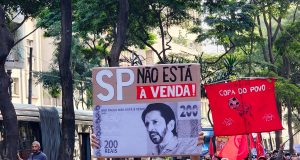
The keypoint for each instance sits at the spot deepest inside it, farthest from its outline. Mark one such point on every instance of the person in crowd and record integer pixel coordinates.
(295, 157)
(36, 153)
(287, 156)
(268, 155)
(278, 154)
(262, 158)
(274, 155)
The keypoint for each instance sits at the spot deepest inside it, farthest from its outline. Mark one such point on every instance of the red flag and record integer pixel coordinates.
(236, 148)
(259, 145)
(211, 147)
(243, 107)
(252, 143)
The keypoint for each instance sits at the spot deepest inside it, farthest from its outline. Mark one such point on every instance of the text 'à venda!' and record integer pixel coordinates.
(166, 91)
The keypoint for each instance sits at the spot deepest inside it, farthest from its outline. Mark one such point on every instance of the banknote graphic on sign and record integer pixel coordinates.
(158, 119)
(148, 129)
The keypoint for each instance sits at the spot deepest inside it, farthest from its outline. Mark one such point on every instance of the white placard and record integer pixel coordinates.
(172, 130)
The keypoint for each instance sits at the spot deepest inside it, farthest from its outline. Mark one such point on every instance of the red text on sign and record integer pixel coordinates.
(166, 91)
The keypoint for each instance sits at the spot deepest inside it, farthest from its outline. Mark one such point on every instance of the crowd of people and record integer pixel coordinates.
(160, 123)
(274, 155)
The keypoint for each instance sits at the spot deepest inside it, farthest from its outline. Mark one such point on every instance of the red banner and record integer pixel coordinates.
(236, 148)
(259, 146)
(211, 147)
(243, 107)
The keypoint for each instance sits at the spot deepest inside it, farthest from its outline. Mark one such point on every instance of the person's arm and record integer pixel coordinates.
(280, 152)
(95, 144)
(199, 142)
(18, 155)
(94, 141)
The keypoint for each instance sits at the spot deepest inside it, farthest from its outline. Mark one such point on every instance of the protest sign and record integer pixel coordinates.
(243, 107)
(147, 110)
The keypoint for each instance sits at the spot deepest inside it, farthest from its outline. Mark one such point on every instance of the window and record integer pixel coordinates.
(15, 87)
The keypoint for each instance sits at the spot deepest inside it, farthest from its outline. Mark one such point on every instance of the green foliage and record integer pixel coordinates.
(82, 62)
(288, 45)
(222, 70)
(50, 18)
(95, 17)
(181, 39)
(295, 120)
(146, 16)
(26, 7)
(179, 58)
(50, 80)
(288, 42)
(287, 90)
(229, 22)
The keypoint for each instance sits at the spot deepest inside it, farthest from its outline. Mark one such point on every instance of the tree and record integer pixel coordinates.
(7, 109)
(68, 115)
(8, 11)
(288, 45)
(273, 14)
(159, 15)
(121, 32)
(82, 61)
(51, 81)
(98, 19)
(249, 27)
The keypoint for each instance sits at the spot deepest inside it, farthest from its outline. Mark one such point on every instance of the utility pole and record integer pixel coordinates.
(11, 81)
(30, 77)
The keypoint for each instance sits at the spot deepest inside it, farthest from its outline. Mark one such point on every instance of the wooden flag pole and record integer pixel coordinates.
(249, 146)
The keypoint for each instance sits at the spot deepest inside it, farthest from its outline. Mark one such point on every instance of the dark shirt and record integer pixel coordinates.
(37, 156)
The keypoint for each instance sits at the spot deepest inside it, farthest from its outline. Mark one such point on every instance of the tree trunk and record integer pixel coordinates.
(268, 25)
(278, 134)
(68, 116)
(162, 33)
(113, 59)
(122, 26)
(290, 127)
(11, 135)
(286, 71)
(263, 47)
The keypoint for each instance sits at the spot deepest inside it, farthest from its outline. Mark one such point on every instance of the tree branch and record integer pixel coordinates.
(232, 47)
(20, 24)
(18, 41)
(169, 41)
(15, 15)
(269, 33)
(295, 12)
(277, 28)
(152, 48)
(122, 27)
(287, 32)
(86, 42)
(147, 44)
(135, 55)
(161, 28)
(262, 36)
